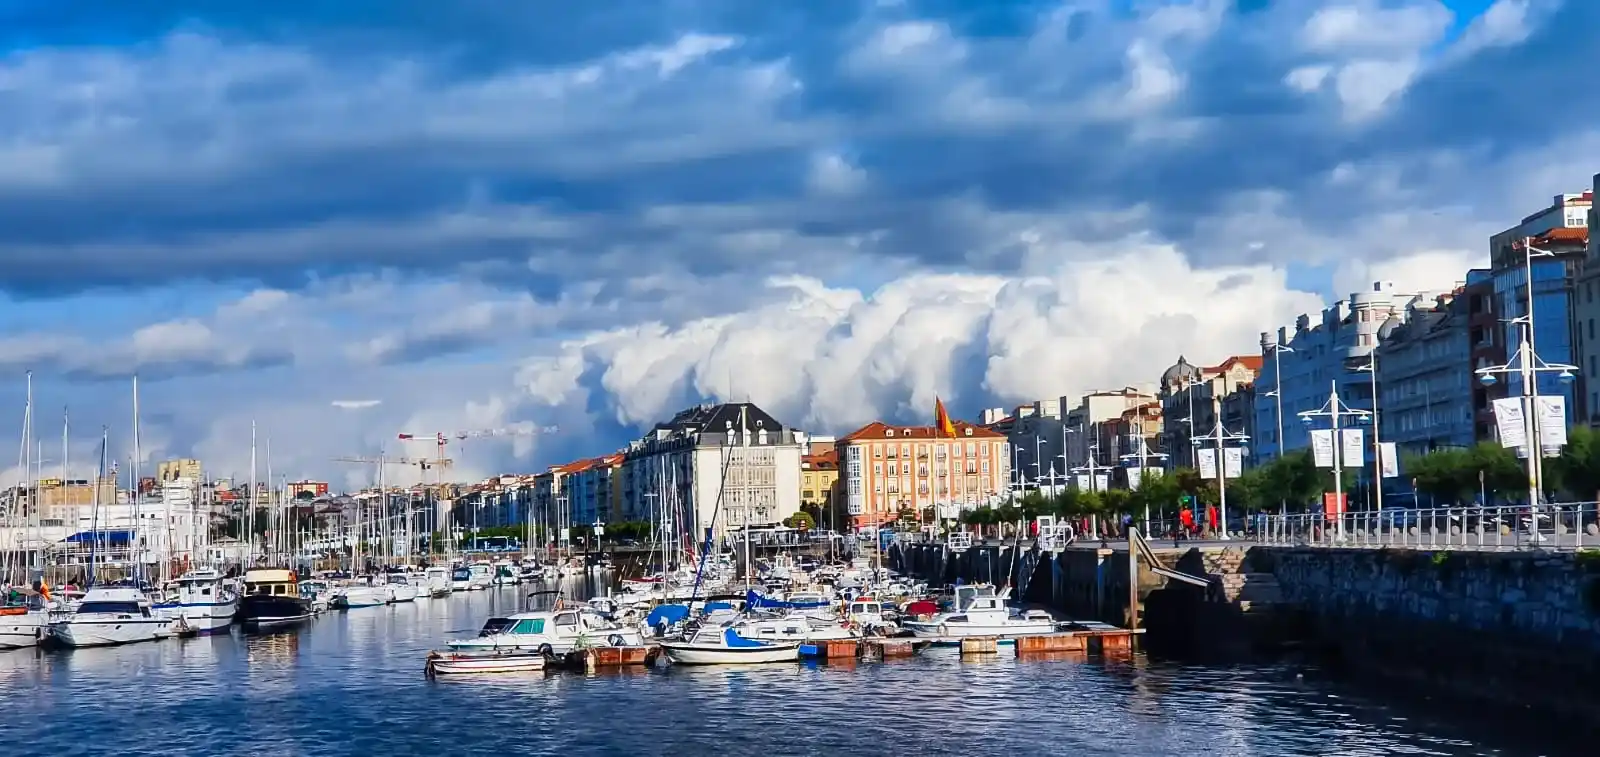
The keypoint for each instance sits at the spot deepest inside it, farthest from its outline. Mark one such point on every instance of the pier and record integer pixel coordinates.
(1488, 619)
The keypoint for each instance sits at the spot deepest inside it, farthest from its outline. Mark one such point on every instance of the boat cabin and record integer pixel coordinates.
(272, 582)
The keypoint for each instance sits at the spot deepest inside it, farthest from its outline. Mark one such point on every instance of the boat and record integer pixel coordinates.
(979, 611)
(108, 616)
(203, 603)
(555, 632)
(358, 595)
(401, 589)
(318, 592)
(272, 599)
(461, 578)
(437, 581)
(719, 644)
(454, 662)
(480, 576)
(23, 625)
(506, 573)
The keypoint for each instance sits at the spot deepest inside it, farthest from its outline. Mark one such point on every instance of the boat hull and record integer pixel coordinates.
(620, 637)
(450, 663)
(697, 654)
(261, 611)
(105, 633)
(22, 631)
(202, 617)
(1005, 631)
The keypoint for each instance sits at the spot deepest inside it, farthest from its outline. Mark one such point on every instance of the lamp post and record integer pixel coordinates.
(1377, 450)
(1219, 435)
(1143, 457)
(1527, 365)
(1333, 410)
(1278, 348)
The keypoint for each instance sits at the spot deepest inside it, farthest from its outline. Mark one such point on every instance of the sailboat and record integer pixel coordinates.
(23, 623)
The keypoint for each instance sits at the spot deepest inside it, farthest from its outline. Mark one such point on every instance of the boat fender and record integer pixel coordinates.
(616, 640)
(944, 630)
(544, 649)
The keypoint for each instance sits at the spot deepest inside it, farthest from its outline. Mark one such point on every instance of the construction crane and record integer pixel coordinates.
(441, 439)
(424, 463)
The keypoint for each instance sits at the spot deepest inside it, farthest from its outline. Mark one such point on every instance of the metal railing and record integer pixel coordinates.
(1558, 526)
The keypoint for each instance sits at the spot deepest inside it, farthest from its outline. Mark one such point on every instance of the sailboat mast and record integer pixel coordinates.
(272, 509)
(138, 563)
(744, 491)
(250, 506)
(32, 487)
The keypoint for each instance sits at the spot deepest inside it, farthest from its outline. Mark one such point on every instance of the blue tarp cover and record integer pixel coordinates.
(669, 614)
(734, 640)
(119, 537)
(755, 601)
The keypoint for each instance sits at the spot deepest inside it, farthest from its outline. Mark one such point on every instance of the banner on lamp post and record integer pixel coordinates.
(1232, 462)
(1388, 460)
(1207, 460)
(1353, 447)
(1081, 481)
(1552, 424)
(1322, 447)
(1509, 423)
(1102, 481)
(1135, 477)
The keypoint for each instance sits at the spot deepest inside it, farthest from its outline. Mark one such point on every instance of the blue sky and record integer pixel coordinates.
(486, 213)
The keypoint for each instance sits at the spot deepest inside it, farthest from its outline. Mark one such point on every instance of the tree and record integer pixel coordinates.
(801, 520)
(1577, 471)
(1455, 476)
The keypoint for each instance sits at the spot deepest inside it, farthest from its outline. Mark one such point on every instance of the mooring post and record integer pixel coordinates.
(1133, 579)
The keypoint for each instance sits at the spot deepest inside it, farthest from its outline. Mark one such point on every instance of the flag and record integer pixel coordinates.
(941, 420)
(44, 589)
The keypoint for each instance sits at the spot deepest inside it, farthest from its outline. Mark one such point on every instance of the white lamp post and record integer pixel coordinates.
(1218, 436)
(1371, 367)
(1333, 410)
(1527, 365)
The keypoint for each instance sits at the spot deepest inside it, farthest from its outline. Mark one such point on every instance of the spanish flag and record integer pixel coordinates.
(941, 420)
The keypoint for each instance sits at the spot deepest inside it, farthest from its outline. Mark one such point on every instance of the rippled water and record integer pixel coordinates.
(352, 684)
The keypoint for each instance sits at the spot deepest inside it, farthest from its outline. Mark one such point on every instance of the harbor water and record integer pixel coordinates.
(352, 684)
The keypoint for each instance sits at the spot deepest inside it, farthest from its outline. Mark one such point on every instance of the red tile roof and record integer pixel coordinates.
(878, 430)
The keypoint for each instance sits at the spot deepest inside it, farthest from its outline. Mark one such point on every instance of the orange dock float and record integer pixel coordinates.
(617, 657)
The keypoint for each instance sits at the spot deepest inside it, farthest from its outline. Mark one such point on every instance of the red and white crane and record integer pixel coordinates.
(443, 438)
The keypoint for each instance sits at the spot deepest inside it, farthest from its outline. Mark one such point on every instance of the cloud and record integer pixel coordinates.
(587, 217)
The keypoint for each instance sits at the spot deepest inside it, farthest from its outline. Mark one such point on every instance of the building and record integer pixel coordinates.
(1038, 439)
(1585, 311)
(61, 501)
(307, 488)
(1192, 400)
(1317, 359)
(1487, 345)
(820, 490)
(594, 490)
(891, 469)
(1137, 433)
(1089, 429)
(171, 470)
(1426, 389)
(717, 467)
(1561, 229)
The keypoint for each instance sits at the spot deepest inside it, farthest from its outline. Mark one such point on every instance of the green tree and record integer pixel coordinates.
(1577, 471)
(801, 520)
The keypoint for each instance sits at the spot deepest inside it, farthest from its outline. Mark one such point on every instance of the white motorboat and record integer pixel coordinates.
(483, 661)
(791, 627)
(721, 644)
(204, 603)
(980, 612)
(356, 596)
(23, 625)
(318, 593)
(506, 573)
(401, 589)
(480, 576)
(555, 632)
(111, 615)
(461, 578)
(437, 581)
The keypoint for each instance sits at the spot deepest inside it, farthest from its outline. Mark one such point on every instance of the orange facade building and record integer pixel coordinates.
(891, 469)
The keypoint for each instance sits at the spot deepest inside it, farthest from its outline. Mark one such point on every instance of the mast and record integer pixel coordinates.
(273, 524)
(32, 488)
(138, 534)
(744, 491)
(250, 506)
(94, 505)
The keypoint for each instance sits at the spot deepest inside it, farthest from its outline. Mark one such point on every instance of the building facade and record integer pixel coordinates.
(1090, 430)
(820, 488)
(1426, 388)
(1192, 401)
(1317, 359)
(1560, 229)
(892, 469)
(1585, 312)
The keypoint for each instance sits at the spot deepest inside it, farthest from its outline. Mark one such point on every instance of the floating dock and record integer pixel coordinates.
(1108, 639)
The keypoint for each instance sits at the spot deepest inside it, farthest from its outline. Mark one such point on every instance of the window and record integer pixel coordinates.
(529, 626)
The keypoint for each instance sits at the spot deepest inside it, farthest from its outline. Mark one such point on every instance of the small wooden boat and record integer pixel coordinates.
(483, 661)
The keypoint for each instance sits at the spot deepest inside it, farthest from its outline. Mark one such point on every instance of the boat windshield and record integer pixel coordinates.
(496, 626)
(116, 608)
(461, 574)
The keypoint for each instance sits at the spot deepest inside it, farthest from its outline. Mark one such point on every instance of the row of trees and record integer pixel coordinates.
(1293, 482)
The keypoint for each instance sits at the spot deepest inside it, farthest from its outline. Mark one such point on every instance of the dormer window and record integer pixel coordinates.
(889, 432)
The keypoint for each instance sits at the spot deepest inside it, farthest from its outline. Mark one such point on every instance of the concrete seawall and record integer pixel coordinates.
(1510, 629)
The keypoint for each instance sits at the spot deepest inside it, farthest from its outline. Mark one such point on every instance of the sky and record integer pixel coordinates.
(345, 220)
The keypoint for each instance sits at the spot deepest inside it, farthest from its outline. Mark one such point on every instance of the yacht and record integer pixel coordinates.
(24, 624)
(203, 602)
(980, 612)
(557, 632)
(318, 592)
(400, 588)
(461, 578)
(361, 593)
(438, 582)
(110, 615)
(480, 576)
(506, 573)
(721, 644)
(272, 599)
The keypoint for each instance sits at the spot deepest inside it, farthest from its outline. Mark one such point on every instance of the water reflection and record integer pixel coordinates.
(352, 684)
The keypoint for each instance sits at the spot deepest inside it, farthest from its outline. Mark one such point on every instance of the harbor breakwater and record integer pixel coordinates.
(1505, 629)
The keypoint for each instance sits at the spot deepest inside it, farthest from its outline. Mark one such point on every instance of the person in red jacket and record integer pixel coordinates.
(1211, 518)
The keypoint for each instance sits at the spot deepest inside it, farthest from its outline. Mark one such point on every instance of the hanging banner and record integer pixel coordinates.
(1333, 504)
(1388, 460)
(1552, 424)
(1509, 423)
(1102, 482)
(1207, 461)
(1353, 452)
(1081, 481)
(1233, 462)
(1322, 447)
(1135, 477)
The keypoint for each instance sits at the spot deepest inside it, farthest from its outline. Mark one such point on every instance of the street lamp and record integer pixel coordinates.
(1527, 365)
(1142, 457)
(1218, 436)
(1334, 410)
(1278, 348)
(1371, 367)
